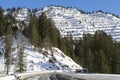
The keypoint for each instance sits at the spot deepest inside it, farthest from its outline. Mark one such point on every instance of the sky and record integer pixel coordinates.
(112, 6)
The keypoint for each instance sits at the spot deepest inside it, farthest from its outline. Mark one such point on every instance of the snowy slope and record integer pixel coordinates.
(38, 59)
(72, 21)
(67, 21)
(22, 15)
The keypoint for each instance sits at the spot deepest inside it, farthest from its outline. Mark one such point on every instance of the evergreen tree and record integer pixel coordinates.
(79, 51)
(62, 45)
(96, 62)
(87, 43)
(90, 58)
(34, 35)
(13, 9)
(42, 26)
(47, 43)
(21, 64)
(115, 61)
(8, 44)
(104, 67)
(53, 33)
(2, 22)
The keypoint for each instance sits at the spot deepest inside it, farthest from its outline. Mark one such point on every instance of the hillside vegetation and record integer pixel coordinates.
(98, 52)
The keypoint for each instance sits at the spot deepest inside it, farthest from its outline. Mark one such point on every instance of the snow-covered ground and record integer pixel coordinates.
(7, 78)
(67, 21)
(25, 75)
(37, 58)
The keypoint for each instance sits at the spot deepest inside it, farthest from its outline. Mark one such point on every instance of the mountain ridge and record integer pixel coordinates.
(71, 21)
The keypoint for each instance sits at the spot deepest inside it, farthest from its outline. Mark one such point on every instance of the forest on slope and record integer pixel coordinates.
(99, 52)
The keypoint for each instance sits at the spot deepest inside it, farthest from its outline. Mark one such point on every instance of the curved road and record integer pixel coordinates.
(58, 75)
(44, 77)
(51, 77)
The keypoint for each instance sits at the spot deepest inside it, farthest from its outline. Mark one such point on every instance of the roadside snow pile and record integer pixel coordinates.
(7, 78)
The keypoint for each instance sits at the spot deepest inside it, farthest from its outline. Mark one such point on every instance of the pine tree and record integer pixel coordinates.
(79, 51)
(42, 26)
(96, 64)
(34, 35)
(115, 61)
(47, 43)
(86, 44)
(52, 32)
(2, 22)
(8, 44)
(90, 58)
(104, 67)
(62, 45)
(21, 64)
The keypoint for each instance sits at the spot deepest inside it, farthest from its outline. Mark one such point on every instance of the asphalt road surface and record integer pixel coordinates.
(50, 77)
(44, 77)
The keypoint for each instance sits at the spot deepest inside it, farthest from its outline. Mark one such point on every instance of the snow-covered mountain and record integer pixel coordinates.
(74, 22)
(22, 14)
(68, 21)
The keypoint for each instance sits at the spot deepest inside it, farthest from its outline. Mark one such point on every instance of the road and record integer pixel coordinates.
(51, 77)
(43, 77)
(59, 75)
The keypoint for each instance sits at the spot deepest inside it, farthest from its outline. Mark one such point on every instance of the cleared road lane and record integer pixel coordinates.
(52, 77)
(44, 77)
